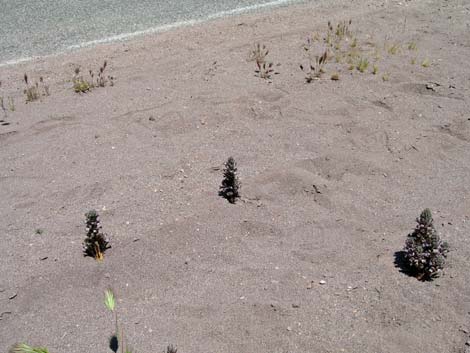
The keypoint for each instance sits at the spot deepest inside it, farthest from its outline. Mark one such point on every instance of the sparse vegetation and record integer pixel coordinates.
(424, 251)
(347, 49)
(96, 242)
(230, 188)
(82, 85)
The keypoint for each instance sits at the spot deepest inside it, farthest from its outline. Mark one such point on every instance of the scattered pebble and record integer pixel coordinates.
(322, 282)
(296, 306)
(289, 328)
(13, 296)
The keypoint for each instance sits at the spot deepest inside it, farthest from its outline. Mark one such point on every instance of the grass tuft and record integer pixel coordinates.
(362, 65)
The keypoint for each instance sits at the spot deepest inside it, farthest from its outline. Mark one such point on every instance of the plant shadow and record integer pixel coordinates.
(114, 343)
(400, 263)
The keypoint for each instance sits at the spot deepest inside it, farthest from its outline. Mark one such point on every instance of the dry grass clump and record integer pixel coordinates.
(35, 90)
(100, 79)
(362, 65)
(315, 68)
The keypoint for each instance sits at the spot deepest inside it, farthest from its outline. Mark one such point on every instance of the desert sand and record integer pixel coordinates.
(333, 175)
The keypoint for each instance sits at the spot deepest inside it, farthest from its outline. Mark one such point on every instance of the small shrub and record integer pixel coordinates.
(426, 63)
(96, 242)
(424, 251)
(335, 76)
(375, 70)
(230, 188)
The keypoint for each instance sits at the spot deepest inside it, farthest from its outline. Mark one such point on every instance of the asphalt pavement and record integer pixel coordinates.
(42, 27)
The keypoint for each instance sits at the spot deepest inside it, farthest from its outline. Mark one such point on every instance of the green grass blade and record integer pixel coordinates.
(24, 348)
(109, 300)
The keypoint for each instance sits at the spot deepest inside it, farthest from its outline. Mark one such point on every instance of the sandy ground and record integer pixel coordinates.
(333, 175)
